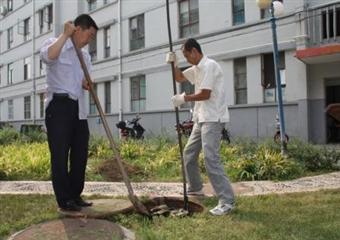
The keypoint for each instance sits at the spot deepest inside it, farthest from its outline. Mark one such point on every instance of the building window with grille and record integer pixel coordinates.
(330, 23)
(93, 48)
(240, 80)
(188, 18)
(138, 96)
(49, 17)
(26, 29)
(9, 5)
(10, 109)
(268, 76)
(9, 37)
(10, 71)
(93, 109)
(41, 103)
(92, 4)
(137, 32)
(41, 68)
(238, 12)
(27, 68)
(41, 21)
(265, 13)
(107, 41)
(107, 97)
(27, 107)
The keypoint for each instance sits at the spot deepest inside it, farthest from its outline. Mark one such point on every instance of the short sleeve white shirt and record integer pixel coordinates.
(64, 74)
(208, 75)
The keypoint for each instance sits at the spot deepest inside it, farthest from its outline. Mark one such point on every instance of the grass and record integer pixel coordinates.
(291, 216)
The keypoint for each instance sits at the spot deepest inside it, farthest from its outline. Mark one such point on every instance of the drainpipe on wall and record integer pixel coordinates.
(120, 90)
(33, 62)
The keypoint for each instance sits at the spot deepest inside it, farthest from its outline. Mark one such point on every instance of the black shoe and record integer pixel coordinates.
(81, 203)
(70, 205)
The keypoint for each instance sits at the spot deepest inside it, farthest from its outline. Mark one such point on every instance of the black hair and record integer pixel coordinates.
(85, 22)
(191, 43)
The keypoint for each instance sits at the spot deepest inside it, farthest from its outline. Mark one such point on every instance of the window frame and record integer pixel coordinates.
(238, 75)
(191, 23)
(27, 107)
(138, 41)
(140, 81)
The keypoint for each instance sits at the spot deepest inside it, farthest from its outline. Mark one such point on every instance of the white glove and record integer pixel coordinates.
(171, 58)
(178, 99)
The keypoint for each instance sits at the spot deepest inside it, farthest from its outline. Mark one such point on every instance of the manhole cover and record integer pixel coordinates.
(102, 208)
(73, 229)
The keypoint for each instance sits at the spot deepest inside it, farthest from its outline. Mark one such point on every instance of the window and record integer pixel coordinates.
(328, 22)
(42, 109)
(10, 109)
(138, 96)
(93, 109)
(10, 5)
(92, 5)
(238, 12)
(50, 16)
(107, 42)
(107, 87)
(10, 70)
(268, 76)
(9, 37)
(41, 68)
(188, 18)
(240, 80)
(26, 29)
(27, 107)
(265, 13)
(27, 68)
(93, 48)
(137, 32)
(41, 20)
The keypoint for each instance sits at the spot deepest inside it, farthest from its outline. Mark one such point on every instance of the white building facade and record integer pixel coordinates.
(131, 75)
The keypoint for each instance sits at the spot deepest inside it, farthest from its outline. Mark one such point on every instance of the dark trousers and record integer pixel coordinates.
(68, 139)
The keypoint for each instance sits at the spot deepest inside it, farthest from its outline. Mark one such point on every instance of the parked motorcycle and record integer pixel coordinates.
(136, 130)
(277, 136)
(186, 126)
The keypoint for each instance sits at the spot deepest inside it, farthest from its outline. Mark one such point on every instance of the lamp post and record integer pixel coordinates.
(276, 9)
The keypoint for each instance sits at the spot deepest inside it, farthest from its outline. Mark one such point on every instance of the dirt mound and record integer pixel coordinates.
(109, 169)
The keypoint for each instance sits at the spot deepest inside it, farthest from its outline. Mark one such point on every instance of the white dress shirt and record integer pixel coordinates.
(208, 75)
(64, 74)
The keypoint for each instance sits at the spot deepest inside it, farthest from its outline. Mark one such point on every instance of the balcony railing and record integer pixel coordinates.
(323, 25)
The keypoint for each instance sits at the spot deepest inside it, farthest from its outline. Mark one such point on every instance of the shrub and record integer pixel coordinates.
(313, 157)
(8, 135)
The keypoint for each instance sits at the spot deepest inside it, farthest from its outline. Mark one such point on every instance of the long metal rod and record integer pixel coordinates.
(133, 198)
(179, 135)
(278, 83)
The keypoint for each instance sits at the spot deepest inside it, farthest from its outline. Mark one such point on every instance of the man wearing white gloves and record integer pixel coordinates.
(210, 115)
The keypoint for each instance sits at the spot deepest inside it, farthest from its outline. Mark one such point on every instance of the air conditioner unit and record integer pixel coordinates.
(3, 10)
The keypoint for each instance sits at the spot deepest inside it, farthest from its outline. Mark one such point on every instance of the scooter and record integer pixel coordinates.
(186, 126)
(135, 132)
(277, 136)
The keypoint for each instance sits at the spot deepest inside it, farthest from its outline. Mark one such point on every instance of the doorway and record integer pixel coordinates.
(333, 123)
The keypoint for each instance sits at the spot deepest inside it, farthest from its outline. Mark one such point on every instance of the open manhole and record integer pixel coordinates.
(172, 206)
(74, 229)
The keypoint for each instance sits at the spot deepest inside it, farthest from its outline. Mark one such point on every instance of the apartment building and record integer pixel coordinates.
(131, 76)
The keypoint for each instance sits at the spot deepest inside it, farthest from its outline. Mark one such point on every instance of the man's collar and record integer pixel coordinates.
(202, 62)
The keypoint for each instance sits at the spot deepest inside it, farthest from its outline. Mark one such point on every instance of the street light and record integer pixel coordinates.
(276, 9)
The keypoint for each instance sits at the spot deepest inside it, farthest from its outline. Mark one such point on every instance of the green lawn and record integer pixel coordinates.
(290, 216)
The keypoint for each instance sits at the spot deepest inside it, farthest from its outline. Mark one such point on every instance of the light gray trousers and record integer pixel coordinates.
(207, 136)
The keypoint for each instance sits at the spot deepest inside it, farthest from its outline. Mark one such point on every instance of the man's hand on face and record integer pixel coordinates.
(69, 28)
(171, 58)
(178, 99)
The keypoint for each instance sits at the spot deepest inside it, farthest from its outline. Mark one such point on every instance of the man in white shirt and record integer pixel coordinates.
(67, 128)
(210, 115)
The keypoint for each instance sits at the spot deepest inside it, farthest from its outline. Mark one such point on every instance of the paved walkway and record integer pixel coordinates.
(306, 184)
